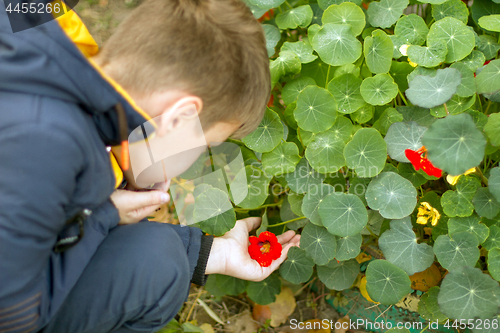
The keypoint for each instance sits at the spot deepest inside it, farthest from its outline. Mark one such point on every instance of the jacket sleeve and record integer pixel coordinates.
(38, 173)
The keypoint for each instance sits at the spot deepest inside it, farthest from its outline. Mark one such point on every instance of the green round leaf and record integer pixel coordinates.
(428, 92)
(386, 283)
(298, 267)
(363, 114)
(488, 81)
(451, 8)
(301, 49)
(408, 171)
(459, 39)
(385, 13)
(257, 183)
(348, 247)
(492, 129)
(317, 70)
(289, 118)
(315, 111)
(494, 263)
(460, 250)
(346, 13)
(488, 46)
(293, 88)
(267, 4)
(325, 152)
(286, 212)
(481, 8)
(264, 292)
(378, 52)
(428, 56)
(386, 119)
(336, 44)
(493, 239)
(304, 178)
(485, 203)
(428, 306)
(490, 22)
(345, 90)
(400, 247)
(295, 201)
(366, 153)
(459, 202)
(402, 136)
(412, 28)
(467, 293)
(474, 60)
(256, 11)
(273, 36)
(470, 224)
(215, 212)
(230, 285)
(397, 42)
(324, 4)
(343, 214)
(281, 159)
(296, 17)
(318, 243)
(268, 135)
(339, 275)
(455, 105)
(312, 200)
(287, 63)
(392, 195)
(379, 89)
(454, 144)
(467, 85)
(494, 182)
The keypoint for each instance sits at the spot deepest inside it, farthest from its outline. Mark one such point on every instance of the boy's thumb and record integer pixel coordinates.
(150, 198)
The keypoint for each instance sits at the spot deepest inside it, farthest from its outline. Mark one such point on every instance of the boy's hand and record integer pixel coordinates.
(134, 206)
(229, 254)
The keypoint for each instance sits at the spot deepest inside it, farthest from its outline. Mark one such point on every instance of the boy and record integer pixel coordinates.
(66, 265)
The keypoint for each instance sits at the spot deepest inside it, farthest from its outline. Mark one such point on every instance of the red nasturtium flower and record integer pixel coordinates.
(419, 160)
(267, 15)
(264, 248)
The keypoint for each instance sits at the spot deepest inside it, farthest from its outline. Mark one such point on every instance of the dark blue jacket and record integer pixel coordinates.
(57, 116)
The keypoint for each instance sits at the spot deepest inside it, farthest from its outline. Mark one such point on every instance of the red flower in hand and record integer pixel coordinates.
(264, 248)
(419, 160)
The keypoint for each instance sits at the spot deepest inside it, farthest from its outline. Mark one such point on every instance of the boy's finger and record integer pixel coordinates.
(252, 222)
(150, 198)
(284, 238)
(140, 213)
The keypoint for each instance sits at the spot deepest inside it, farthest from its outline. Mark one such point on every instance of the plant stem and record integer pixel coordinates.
(370, 231)
(288, 4)
(286, 222)
(426, 327)
(327, 75)
(260, 207)
(446, 109)
(485, 180)
(487, 107)
(402, 97)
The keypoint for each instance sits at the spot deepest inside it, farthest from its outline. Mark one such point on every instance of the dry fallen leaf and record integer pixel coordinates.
(364, 292)
(342, 320)
(242, 323)
(261, 313)
(427, 279)
(207, 328)
(283, 307)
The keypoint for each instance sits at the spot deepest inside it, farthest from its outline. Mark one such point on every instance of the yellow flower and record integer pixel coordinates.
(403, 49)
(412, 64)
(426, 212)
(454, 179)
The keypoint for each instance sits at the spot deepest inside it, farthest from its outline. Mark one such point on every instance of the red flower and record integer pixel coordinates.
(419, 160)
(267, 15)
(264, 248)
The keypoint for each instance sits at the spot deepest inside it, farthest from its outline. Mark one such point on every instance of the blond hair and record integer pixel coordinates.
(213, 49)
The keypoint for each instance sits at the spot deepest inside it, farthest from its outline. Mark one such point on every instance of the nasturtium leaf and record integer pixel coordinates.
(433, 2)
(492, 129)
(336, 44)
(347, 69)
(430, 56)
(481, 8)
(455, 105)
(268, 135)
(287, 63)
(296, 17)
(298, 267)
(467, 293)
(470, 224)
(346, 13)
(363, 114)
(488, 46)
(287, 214)
(494, 263)
(257, 182)
(454, 144)
(315, 109)
(318, 71)
(348, 247)
(493, 239)
(400, 247)
(295, 201)
(459, 39)
(305, 137)
(428, 306)
(480, 120)
(407, 171)
(467, 85)
(488, 81)
(312, 200)
(402, 136)
(474, 60)
(256, 10)
(397, 42)
(392, 195)
(386, 283)
(281, 159)
(263, 225)
(324, 4)
(345, 90)
(385, 13)
(494, 182)
(304, 178)
(459, 202)
(399, 72)
(451, 8)
(267, 4)
(428, 92)
(412, 28)
(293, 88)
(317, 14)
(211, 286)
(490, 22)
(379, 89)
(288, 114)
(366, 153)
(339, 275)
(386, 119)
(325, 152)
(459, 250)
(342, 128)
(378, 52)
(485, 203)
(417, 114)
(343, 214)
(230, 285)
(419, 70)
(215, 212)
(273, 36)
(264, 292)
(301, 49)
(318, 243)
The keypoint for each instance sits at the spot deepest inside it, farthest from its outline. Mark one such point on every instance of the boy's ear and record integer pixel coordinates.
(185, 109)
